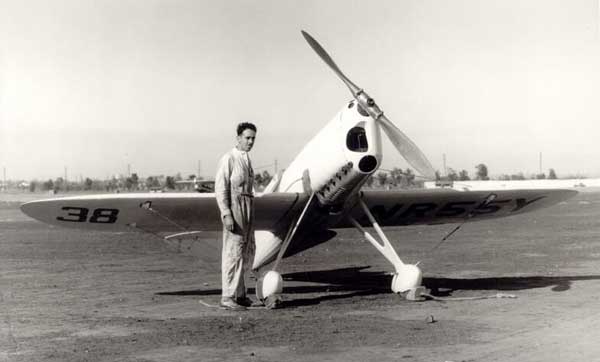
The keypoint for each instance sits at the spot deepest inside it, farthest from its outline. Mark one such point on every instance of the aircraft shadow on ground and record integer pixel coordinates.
(356, 281)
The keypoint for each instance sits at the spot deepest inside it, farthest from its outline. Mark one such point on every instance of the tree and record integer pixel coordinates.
(369, 181)
(552, 174)
(134, 181)
(87, 184)
(129, 183)
(266, 177)
(452, 175)
(258, 179)
(170, 182)
(59, 184)
(32, 186)
(463, 175)
(482, 172)
(540, 176)
(382, 178)
(113, 184)
(152, 181)
(409, 176)
(396, 176)
(48, 185)
(99, 185)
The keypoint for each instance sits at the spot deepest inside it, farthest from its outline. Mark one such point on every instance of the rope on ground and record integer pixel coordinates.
(459, 299)
(207, 304)
(216, 306)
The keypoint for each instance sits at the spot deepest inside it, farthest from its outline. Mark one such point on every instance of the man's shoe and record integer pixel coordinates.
(245, 301)
(273, 302)
(230, 304)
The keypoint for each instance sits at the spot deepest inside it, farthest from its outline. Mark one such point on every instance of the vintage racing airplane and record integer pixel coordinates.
(319, 191)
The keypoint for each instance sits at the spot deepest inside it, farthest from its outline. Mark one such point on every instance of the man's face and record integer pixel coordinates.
(246, 140)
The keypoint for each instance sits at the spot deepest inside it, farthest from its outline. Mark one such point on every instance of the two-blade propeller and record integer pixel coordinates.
(403, 144)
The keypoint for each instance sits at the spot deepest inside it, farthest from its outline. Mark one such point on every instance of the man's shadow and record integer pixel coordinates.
(356, 281)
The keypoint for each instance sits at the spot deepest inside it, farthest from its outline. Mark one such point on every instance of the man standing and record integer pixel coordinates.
(233, 190)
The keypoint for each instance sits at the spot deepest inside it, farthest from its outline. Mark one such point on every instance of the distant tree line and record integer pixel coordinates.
(128, 183)
(398, 178)
(539, 176)
(394, 178)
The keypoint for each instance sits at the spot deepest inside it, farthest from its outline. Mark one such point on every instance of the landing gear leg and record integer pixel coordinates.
(270, 286)
(407, 277)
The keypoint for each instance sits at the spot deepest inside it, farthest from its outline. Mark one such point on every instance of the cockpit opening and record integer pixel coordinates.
(356, 140)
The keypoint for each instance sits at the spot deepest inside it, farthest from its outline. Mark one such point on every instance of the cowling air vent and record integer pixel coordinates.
(367, 164)
(340, 185)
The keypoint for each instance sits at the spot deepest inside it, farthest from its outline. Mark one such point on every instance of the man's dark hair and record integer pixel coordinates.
(244, 126)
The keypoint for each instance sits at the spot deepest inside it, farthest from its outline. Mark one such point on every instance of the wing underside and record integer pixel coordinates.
(153, 212)
(176, 212)
(399, 208)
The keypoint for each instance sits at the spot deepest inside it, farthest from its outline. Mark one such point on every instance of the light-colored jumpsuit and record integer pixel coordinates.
(233, 190)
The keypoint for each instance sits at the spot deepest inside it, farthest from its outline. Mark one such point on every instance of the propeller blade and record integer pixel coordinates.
(327, 59)
(403, 144)
(407, 148)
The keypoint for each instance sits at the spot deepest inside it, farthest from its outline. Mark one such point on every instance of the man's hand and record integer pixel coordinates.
(228, 222)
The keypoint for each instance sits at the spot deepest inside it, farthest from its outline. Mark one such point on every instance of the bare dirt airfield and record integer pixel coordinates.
(68, 295)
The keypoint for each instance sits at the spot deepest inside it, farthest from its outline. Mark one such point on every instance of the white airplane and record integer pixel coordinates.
(319, 191)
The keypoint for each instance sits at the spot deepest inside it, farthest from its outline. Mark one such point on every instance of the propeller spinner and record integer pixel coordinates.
(407, 148)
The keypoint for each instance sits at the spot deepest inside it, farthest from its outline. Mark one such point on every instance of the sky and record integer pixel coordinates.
(95, 86)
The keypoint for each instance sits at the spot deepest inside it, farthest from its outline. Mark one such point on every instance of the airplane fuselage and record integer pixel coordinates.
(338, 159)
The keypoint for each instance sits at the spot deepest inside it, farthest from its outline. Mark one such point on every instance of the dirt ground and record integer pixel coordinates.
(68, 295)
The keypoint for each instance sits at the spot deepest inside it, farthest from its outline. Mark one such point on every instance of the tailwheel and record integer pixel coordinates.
(407, 277)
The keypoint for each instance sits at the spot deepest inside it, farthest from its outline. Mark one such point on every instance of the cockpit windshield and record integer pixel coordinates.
(356, 140)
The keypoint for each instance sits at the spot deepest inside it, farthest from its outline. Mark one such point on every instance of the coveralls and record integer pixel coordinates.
(233, 190)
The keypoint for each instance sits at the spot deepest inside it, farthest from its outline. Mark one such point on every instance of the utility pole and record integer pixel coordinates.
(128, 170)
(540, 163)
(275, 164)
(199, 170)
(4, 183)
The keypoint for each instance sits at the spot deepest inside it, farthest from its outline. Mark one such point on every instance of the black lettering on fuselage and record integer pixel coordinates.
(80, 214)
(419, 209)
(423, 210)
(453, 209)
(521, 203)
(380, 212)
(489, 207)
(104, 216)
(75, 214)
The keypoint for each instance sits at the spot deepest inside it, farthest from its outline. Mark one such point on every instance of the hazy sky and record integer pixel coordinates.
(160, 85)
